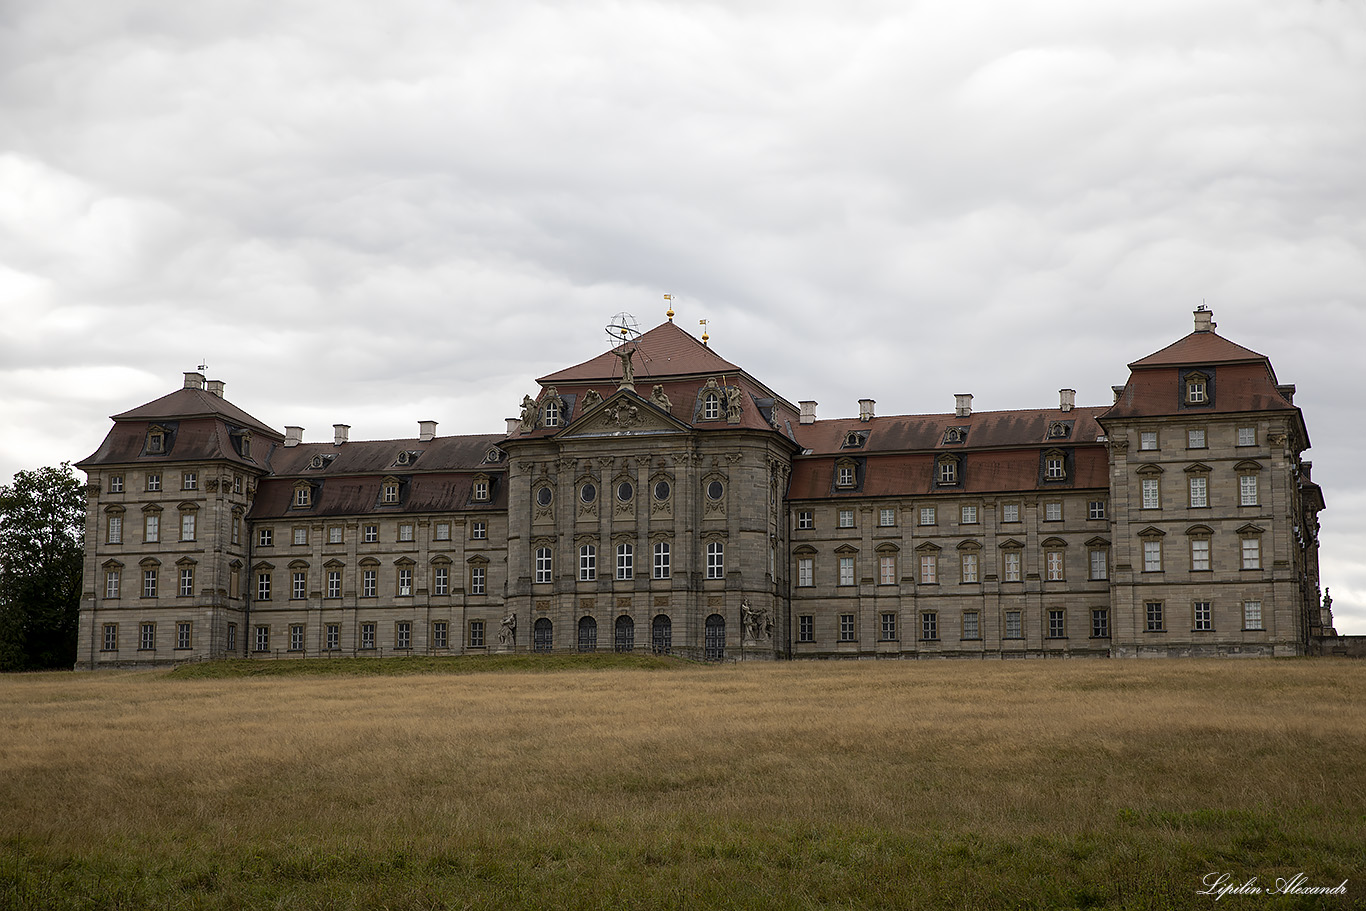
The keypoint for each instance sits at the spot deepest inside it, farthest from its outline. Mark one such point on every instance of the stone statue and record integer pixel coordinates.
(1327, 600)
(659, 398)
(756, 622)
(732, 404)
(529, 412)
(628, 373)
(507, 635)
(591, 399)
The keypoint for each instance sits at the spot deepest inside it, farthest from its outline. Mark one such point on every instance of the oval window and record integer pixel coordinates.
(715, 490)
(625, 491)
(543, 496)
(662, 490)
(588, 493)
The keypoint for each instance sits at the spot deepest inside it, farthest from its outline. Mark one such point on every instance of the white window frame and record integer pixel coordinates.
(626, 562)
(1052, 511)
(969, 567)
(545, 565)
(886, 569)
(1152, 555)
(1199, 488)
(1251, 551)
(1247, 489)
(846, 518)
(663, 560)
(1152, 493)
(716, 560)
(968, 515)
(1147, 441)
(1011, 562)
(929, 569)
(1200, 554)
(1010, 512)
(588, 563)
(806, 572)
(1252, 615)
(846, 569)
(886, 518)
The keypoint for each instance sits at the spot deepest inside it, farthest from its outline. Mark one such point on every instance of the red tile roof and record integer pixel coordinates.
(899, 433)
(190, 403)
(194, 440)
(913, 474)
(666, 350)
(378, 457)
(1201, 348)
(351, 495)
(1238, 388)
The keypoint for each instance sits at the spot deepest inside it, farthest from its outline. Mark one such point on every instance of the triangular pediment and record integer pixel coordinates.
(624, 413)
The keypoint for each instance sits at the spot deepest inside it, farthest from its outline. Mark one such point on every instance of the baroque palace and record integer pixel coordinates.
(658, 497)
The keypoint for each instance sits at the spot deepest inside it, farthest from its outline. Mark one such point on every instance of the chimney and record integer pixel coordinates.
(865, 409)
(216, 388)
(1067, 398)
(1204, 319)
(1287, 392)
(514, 424)
(340, 433)
(808, 415)
(194, 381)
(962, 404)
(426, 431)
(293, 435)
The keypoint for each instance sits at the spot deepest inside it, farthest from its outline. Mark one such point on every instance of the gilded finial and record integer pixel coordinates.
(670, 312)
(703, 324)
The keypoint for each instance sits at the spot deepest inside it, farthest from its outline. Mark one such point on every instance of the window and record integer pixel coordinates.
(1100, 564)
(477, 578)
(1053, 565)
(661, 635)
(662, 565)
(1147, 439)
(588, 563)
(1153, 612)
(1095, 509)
(440, 634)
(390, 493)
(1057, 624)
(971, 625)
(845, 476)
(151, 528)
(1252, 615)
(1014, 625)
(405, 581)
(481, 490)
(441, 580)
(1247, 436)
(1100, 623)
(588, 493)
(806, 628)
(806, 571)
(1195, 439)
(716, 560)
(367, 635)
(1152, 555)
(927, 515)
(153, 482)
(1199, 492)
(625, 491)
(552, 413)
(265, 537)
(236, 527)
(298, 586)
(711, 406)
(182, 634)
(929, 569)
(1252, 553)
(804, 520)
(335, 535)
(189, 481)
(1200, 555)
(368, 583)
(886, 569)
(1010, 512)
(334, 583)
(111, 638)
(588, 634)
(1152, 498)
(370, 534)
(847, 633)
(156, 441)
(624, 634)
(969, 515)
(1247, 490)
(888, 626)
(442, 531)
(544, 495)
(116, 529)
(111, 583)
(929, 625)
(886, 518)
(262, 639)
(405, 532)
(187, 581)
(543, 564)
(147, 636)
(237, 483)
(303, 496)
(1203, 620)
(333, 636)
(1052, 512)
(846, 570)
(948, 472)
(116, 483)
(662, 490)
(626, 562)
(296, 638)
(846, 518)
(1195, 390)
(403, 634)
(969, 567)
(1053, 468)
(263, 586)
(149, 583)
(232, 637)
(1011, 561)
(300, 537)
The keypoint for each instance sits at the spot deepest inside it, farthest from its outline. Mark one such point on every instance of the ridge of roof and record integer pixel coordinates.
(191, 403)
(666, 350)
(1200, 347)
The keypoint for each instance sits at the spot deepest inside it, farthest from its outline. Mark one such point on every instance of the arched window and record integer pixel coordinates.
(714, 640)
(542, 635)
(662, 635)
(588, 634)
(552, 413)
(625, 639)
(711, 406)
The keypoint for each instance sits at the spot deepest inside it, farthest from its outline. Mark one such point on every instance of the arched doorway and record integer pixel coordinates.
(588, 634)
(715, 638)
(625, 639)
(662, 635)
(542, 635)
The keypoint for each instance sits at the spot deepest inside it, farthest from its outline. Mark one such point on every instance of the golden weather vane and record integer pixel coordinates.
(703, 324)
(670, 312)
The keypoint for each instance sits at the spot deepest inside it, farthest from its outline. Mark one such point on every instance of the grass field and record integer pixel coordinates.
(640, 783)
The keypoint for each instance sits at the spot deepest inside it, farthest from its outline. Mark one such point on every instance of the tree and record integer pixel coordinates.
(42, 532)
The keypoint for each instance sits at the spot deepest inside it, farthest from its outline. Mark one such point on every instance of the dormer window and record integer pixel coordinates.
(955, 434)
(404, 458)
(246, 445)
(844, 474)
(854, 440)
(1054, 465)
(711, 406)
(303, 496)
(156, 441)
(1058, 430)
(948, 471)
(552, 413)
(1196, 388)
(389, 491)
(481, 489)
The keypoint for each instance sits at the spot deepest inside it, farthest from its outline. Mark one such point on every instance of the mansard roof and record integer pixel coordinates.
(666, 350)
(1202, 347)
(193, 403)
(352, 495)
(986, 429)
(193, 440)
(449, 453)
(893, 474)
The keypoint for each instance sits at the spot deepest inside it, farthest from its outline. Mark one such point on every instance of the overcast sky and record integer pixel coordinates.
(377, 213)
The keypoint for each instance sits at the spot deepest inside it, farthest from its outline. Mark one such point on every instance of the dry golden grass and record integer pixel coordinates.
(887, 784)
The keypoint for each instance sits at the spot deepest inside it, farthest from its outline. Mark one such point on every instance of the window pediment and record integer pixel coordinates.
(368, 561)
(1097, 541)
(927, 547)
(846, 549)
(114, 510)
(1198, 468)
(804, 550)
(1200, 531)
(186, 561)
(1250, 529)
(1053, 542)
(477, 560)
(1247, 465)
(955, 435)
(888, 548)
(440, 560)
(969, 545)
(334, 564)
(1152, 531)
(1010, 544)
(151, 507)
(298, 564)
(112, 564)
(149, 561)
(262, 566)
(1150, 470)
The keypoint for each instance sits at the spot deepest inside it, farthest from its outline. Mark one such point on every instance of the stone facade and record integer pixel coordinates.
(659, 497)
